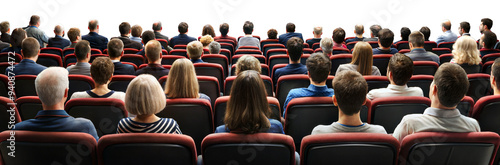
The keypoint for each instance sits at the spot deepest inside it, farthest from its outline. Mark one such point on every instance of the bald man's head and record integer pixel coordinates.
(446, 25)
(58, 30)
(93, 25)
(153, 51)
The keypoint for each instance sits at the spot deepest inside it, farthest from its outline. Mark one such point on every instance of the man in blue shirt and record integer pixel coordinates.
(358, 30)
(115, 52)
(290, 32)
(52, 87)
(386, 37)
(58, 41)
(27, 66)
(318, 69)
(96, 41)
(33, 31)
(182, 38)
(418, 53)
(447, 36)
(295, 49)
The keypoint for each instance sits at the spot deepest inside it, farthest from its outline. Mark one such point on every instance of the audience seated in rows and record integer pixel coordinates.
(350, 95)
(82, 53)
(147, 36)
(464, 28)
(405, 33)
(418, 53)
(426, 32)
(465, 51)
(28, 65)
(447, 35)
(16, 39)
(115, 52)
(326, 45)
(248, 39)
(317, 32)
(362, 60)
(194, 51)
(214, 47)
(136, 33)
(153, 54)
(182, 38)
(208, 30)
(247, 62)
(52, 87)
(374, 33)
(144, 99)
(182, 81)
(447, 90)
(295, 48)
(125, 30)
(487, 43)
(386, 37)
(96, 41)
(206, 40)
(359, 30)
(33, 31)
(273, 34)
(290, 32)
(5, 29)
(399, 72)
(224, 29)
(495, 77)
(58, 41)
(157, 28)
(338, 36)
(74, 36)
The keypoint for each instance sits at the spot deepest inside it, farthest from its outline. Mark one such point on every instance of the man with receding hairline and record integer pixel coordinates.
(27, 66)
(157, 28)
(153, 54)
(96, 41)
(447, 36)
(317, 32)
(374, 33)
(58, 41)
(358, 30)
(33, 31)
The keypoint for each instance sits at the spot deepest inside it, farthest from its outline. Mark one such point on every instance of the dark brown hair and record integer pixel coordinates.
(452, 84)
(115, 48)
(101, 70)
(183, 27)
(495, 71)
(401, 67)
(224, 29)
(350, 91)
(385, 37)
(30, 47)
(82, 48)
(272, 34)
(319, 67)
(208, 30)
(295, 48)
(338, 35)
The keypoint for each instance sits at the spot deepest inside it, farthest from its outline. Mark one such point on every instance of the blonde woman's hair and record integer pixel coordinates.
(206, 40)
(362, 56)
(465, 51)
(182, 81)
(145, 96)
(247, 62)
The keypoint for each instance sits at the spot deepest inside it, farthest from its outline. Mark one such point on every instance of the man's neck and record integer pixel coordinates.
(417, 48)
(32, 58)
(315, 36)
(496, 91)
(125, 35)
(95, 31)
(353, 120)
(294, 62)
(359, 36)
(101, 89)
(384, 48)
(58, 106)
(117, 58)
(317, 84)
(146, 118)
(83, 61)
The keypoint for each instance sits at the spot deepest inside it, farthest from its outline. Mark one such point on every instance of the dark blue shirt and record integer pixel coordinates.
(96, 41)
(197, 61)
(276, 127)
(354, 39)
(313, 41)
(311, 91)
(12, 49)
(26, 67)
(289, 69)
(382, 51)
(156, 70)
(285, 37)
(123, 69)
(58, 42)
(181, 39)
(485, 51)
(57, 121)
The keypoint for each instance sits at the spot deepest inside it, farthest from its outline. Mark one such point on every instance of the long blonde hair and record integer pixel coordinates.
(465, 51)
(182, 81)
(362, 56)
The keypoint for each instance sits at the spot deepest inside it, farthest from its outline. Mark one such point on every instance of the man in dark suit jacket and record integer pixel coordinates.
(157, 28)
(115, 52)
(96, 41)
(374, 33)
(27, 66)
(359, 30)
(182, 38)
(290, 32)
(5, 29)
(58, 41)
(125, 30)
(153, 53)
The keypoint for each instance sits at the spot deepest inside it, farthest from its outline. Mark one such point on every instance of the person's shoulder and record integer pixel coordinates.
(321, 129)
(221, 129)
(377, 129)
(81, 94)
(82, 121)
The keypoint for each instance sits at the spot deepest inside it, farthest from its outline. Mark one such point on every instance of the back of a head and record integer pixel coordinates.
(17, 37)
(295, 48)
(194, 50)
(488, 22)
(136, 31)
(426, 32)
(290, 27)
(247, 62)
(206, 39)
(375, 29)
(30, 47)
(182, 81)
(82, 49)
(465, 51)
(495, 72)
(93, 24)
(157, 26)
(224, 29)
(446, 25)
(416, 38)
(147, 36)
(208, 30)
(318, 30)
(318, 67)
(4, 26)
(489, 39)
(73, 34)
(350, 91)
(58, 29)
(50, 85)
(359, 29)
(115, 48)
(214, 47)
(183, 27)
(35, 19)
(326, 45)
(153, 51)
(401, 67)
(272, 34)
(144, 96)
(248, 27)
(247, 109)
(452, 84)
(338, 35)
(124, 28)
(385, 36)
(405, 33)
(101, 70)
(362, 56)
(466, 26)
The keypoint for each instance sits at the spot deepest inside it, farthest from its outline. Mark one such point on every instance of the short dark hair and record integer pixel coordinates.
(385, 37)
(272, 34)
(4, 26)
(405, 33)
(147, 36)
(495, 71)
(115, 48)
(466, 26)
(446, 25)
(490, 39)
(82, 48)
(124, 28)
(30, 47)
(248, 27)
(183, 27)
(426, 32)
(375, 29)
(34, 19)
(290, 27)
(157, 26)
(488, 22)
(17, 37)
(295, 48)
(401, 67)
(224, 29)
(318, 67)
(452, 84)
(101, 70)
(93, 24)
(73, 34)
(350, 91)
(338, 35)
(416, 39)
(136, 31)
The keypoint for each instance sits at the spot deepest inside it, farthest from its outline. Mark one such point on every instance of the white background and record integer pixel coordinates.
(265, 14)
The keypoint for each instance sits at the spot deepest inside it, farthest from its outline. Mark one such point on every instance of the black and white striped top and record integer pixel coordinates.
(164, 125)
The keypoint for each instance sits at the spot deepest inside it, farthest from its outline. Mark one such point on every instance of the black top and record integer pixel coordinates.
(153, 69)
(123, 69)
(5, 37)
(127, 43)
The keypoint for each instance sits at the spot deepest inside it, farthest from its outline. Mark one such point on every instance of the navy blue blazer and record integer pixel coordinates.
(156, 70)
(128, 43)
(58, 42)
(285, 37)
(96, 41)
(289, 69)
(181, 39)
(123, 69)
(354, 39)
(26, 67)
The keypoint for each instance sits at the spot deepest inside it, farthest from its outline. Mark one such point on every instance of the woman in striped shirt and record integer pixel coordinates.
(145, 98)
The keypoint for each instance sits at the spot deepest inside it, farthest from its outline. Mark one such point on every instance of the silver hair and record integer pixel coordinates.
(326, 45)
(214, 47)
(51, 84)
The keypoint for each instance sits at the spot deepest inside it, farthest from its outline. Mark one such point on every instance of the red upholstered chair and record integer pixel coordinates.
(402, 45)
(229, 41)
(388, 111)
(466, 106)
(94, 56)
(448, 45)
(350, 45)
(4, 86)
(422, 81)
(52, 50)
(163, 42)
(306, 45)
(374, 44)
(270, 46)
(315, 46)
(429, 45)
(440, 51)
(289, 82)
(264, 70)
(277, 51)
(133, 58)
(209, 69)
(265, 42)
(278, 59)
(129, 63)
(49, 60)
(381, 61)
(49, 148)
(248, 47)
(375, 82)
(129, 51)
(78, 83)
(449, 148)
(194, 117)
(221, 104)
(69, 51)
(268, 83)
(28, 106)
(266, 148)
(225, 52)
(308, 51)
(479, 85)
(146, 148)
(95, 51)
(340, 51)
(9, 113)
(169, 59)
(425, 67)
(163, 52)
(68, 59)
(487, 67)
(276, 67)
(349, 148)
(25, 85)
(247, 51)
(444, 58)
(217, 59)
(179, 52)
(120, 82)
(229, 47)
(208, 85)
(261, 58)
(6, 57)
(404, 51)
(180, 47)
(338, 60)
(490, 57)
(486, 112)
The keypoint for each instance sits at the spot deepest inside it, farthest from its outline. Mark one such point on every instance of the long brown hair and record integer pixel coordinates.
(247, 109)
(362, 56)
(182, 81)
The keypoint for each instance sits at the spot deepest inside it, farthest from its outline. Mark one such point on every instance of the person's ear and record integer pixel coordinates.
(121, 54)
(66, 93)
(493, 81)
(335, 101)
